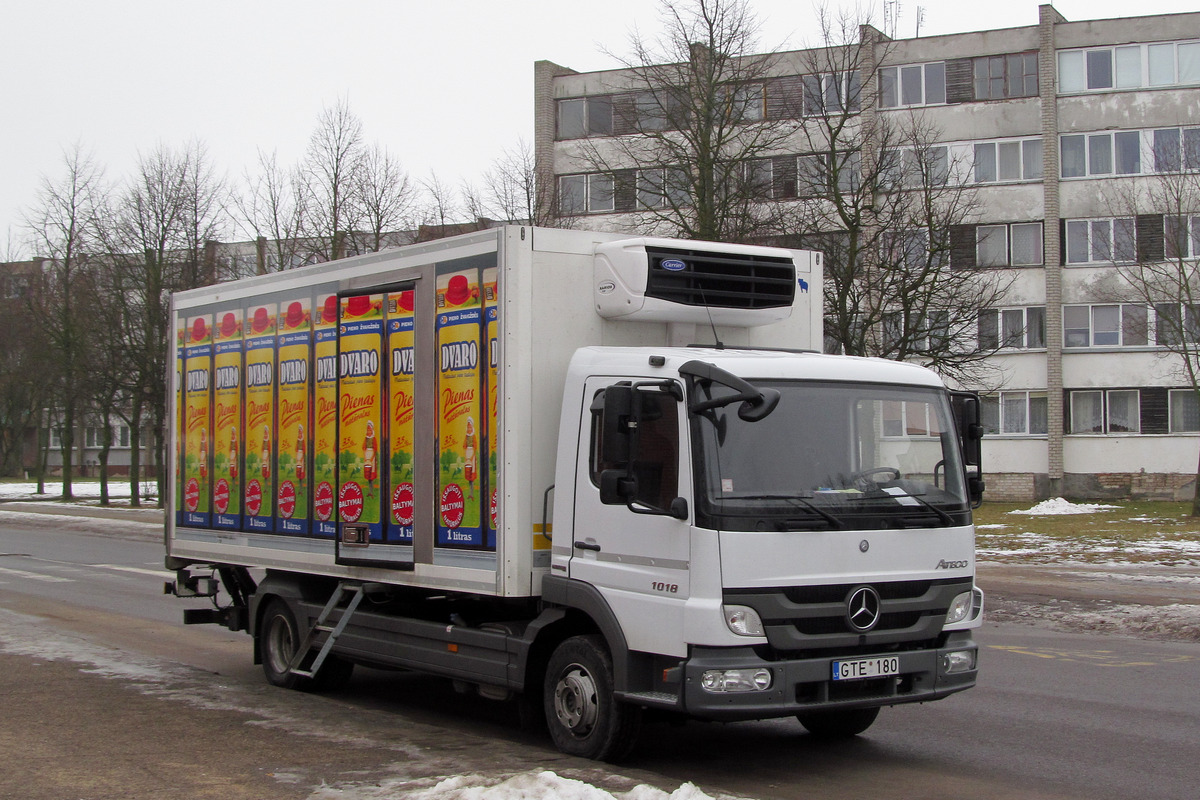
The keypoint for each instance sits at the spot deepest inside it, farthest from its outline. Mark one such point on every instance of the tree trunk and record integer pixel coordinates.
(1196, 493)
(135, 452)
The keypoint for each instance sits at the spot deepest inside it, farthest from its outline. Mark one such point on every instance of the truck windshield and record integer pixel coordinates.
(831, 456)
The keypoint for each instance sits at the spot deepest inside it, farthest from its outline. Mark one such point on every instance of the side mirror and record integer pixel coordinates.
(617, 487)
(618, 422)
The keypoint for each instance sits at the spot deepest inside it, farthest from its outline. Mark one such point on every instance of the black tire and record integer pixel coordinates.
(583, 716)
(840, 724)
(278, 638)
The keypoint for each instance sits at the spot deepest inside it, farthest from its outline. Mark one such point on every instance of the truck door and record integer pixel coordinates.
(638, 557)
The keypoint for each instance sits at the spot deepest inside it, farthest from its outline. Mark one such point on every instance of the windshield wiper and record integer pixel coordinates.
(784, 524)
(833, 521)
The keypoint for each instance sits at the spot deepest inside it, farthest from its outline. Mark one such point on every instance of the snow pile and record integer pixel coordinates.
(523, 786)
(1059, 506)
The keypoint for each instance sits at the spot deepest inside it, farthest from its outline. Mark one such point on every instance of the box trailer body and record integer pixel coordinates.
(566, 466)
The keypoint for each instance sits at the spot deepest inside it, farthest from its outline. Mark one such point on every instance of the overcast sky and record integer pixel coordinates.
(444, 86)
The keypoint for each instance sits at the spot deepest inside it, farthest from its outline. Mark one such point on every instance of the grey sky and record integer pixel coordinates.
(444, 86)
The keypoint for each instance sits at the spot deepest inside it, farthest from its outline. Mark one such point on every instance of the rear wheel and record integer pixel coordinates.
(840, 724)
(278, 639)
(583, 716)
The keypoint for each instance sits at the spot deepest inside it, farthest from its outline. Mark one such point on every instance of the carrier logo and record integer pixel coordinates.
(673, 265)
(943, 564)
(862, 609)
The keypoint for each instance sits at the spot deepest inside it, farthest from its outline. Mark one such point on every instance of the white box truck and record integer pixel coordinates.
(600, 475)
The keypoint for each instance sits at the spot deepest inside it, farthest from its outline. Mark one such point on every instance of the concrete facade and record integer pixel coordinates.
(1088, 407)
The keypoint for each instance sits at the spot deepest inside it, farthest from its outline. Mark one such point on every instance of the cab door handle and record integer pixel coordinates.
(586, 546)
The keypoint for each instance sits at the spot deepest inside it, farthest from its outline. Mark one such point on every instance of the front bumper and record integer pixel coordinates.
(803, 685)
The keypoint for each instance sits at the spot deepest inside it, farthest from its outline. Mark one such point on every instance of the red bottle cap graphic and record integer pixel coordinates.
(406, 300)
(199, 330)
(358, 305)
(262, 320)
(458, 290)
(295, 315)
(329, 311)
(228, 325)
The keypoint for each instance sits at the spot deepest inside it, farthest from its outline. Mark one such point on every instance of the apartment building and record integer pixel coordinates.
(1066, 133)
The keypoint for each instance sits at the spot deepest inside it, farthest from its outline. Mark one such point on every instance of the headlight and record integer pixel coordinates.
(960, 609)
(743, 620)
(736, 680)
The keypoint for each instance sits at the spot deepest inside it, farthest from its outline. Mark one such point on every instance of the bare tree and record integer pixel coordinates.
(329, 181)
(510, 191)
(882, 198)
(386, 196)
(26, 375)
(271, 210)
(62, 223)
(691, 136)
(1155, 246)
(161, 227)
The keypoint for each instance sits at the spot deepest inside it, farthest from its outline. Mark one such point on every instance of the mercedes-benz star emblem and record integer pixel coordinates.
(862, 609)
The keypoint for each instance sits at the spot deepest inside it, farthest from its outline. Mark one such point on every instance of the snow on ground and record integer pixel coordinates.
(1058, 506)
(82, 489)
(522, 786)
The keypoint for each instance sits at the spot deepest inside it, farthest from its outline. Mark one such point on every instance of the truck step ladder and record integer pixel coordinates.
(356, 591)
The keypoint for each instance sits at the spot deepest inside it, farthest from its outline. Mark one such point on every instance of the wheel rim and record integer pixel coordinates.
(280, 646)
(575, 701)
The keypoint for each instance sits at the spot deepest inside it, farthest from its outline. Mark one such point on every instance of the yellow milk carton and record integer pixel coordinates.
(292, 417)
(325, 416)
(259, 438)
(360, 457)
(198, 421)
(227, 420)
(401, 419)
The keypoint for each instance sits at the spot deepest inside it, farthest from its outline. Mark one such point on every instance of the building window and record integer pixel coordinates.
(1184, 411)
(912, 85)
(1016, 160)
(1129, 66)
(1097, 154)
(94, 437)
(905, 249)
(582, 194)
(663, 188)
(585, 116)
(1020, 328)
(1111, 411)
(906, 420)
(1176, 324)
(816, 178)
(55, 438)
(1101, 241)
(1177, 149)
(1181, 236)
(1005, 76)
(1115, 325)
(1014, 414)
(745, 103)
(1017, 245)
(832, 93)
(912, 167)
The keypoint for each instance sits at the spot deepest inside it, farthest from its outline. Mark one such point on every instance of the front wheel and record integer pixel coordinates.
(583, 716)
(838, 724)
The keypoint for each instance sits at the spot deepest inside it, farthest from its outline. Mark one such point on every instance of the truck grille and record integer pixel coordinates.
(721, 280)
(807, 618)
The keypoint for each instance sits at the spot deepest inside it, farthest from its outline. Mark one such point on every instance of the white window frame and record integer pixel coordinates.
(1131, 66)
(894, 80)
(1017, 328)
(591, 181)
(587, 104)
(656, 189)
(842, 87)
(1094, 231)
(1029, 160)
(1031, 403)
(1003, 235)
(1129, 330)
(1185, 154)
(907, 419)
(1106, 423)
(1101, 153)
(1190, 235)
(1179, 412)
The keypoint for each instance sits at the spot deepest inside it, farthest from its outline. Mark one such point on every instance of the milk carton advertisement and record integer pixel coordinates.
(227, 420)
(401, 418)
(259, 506)
(461, 487)
(181, 333)
(325, 416)
(292, 417)
(360, 460)
(491, 318)
(198, 421)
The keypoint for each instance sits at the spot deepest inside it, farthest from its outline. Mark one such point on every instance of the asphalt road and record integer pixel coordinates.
(107, 695)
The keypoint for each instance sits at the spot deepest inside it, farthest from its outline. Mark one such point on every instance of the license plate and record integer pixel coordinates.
(866, 668)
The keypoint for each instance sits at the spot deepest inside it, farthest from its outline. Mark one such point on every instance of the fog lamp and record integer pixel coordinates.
(958, 661)
(720, 681)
